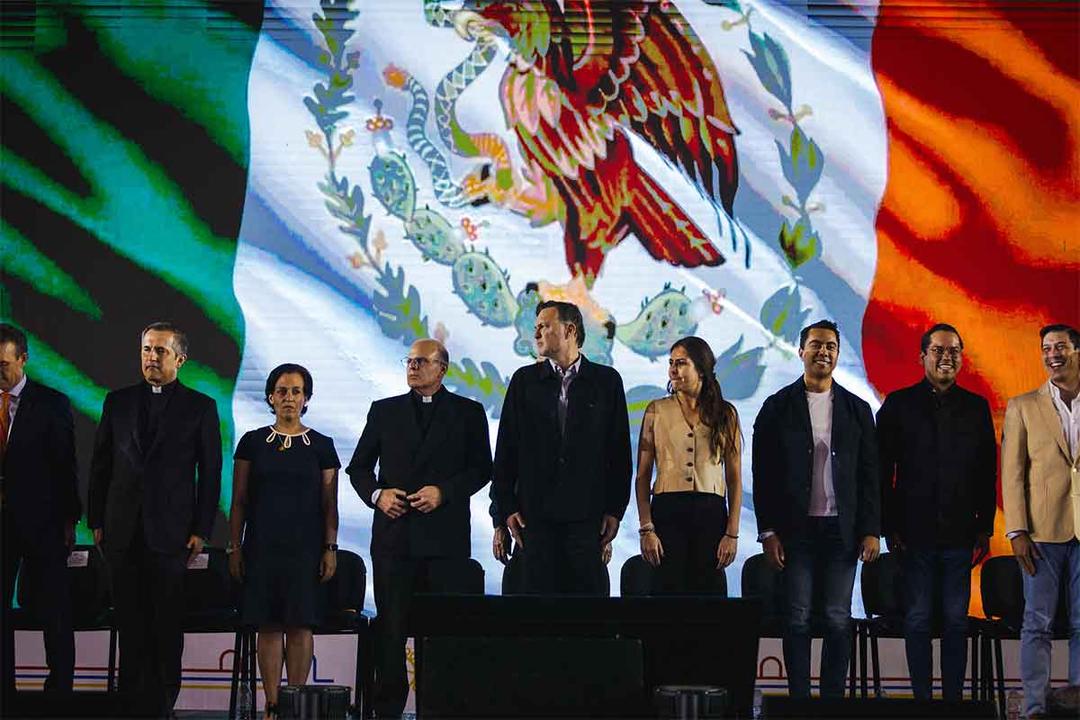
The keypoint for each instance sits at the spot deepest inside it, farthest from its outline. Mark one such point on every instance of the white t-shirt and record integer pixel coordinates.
(822, 494)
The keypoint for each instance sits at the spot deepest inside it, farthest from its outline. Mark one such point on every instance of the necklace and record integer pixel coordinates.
(286, 438)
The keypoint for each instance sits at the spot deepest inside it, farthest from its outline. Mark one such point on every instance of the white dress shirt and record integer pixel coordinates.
(1070, 418)
(13, 402)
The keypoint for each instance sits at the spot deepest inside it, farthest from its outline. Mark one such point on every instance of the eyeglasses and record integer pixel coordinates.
(938, 351)
(417, 363)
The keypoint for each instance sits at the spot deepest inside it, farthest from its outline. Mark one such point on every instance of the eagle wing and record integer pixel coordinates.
(642, 64)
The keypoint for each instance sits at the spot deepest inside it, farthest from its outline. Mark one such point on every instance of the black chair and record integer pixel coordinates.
(1002, 589)
(90, 602)
(512, 575)
(344, 614)
(210, 599)
(456, 576)
(760, 580)
(638, 578)
(882, 590)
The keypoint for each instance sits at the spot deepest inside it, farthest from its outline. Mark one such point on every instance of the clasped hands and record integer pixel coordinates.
(395, 502)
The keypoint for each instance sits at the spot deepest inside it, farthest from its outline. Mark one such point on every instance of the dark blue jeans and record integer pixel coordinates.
(923, 567)
(818, 558)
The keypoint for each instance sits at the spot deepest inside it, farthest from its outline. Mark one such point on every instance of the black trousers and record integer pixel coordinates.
(396, 580)
(690, 526)
(42, 567)
(148, 593)
(563, 558)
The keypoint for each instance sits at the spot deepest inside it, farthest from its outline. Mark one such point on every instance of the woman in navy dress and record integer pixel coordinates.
(284, 511)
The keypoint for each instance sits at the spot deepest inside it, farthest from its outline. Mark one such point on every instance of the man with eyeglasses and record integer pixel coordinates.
(1040, 489)
(938, 476)
(433, 454)
(817, 502)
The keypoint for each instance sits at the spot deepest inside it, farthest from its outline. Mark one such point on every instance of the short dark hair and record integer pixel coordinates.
(819, 325)
(1074, 335)
(568, 313)
(285, 369)
(11, 334)
(924, 342)
(179, 338)
(444, 355)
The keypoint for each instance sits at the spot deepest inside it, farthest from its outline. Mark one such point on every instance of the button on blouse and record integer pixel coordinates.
(684, 462)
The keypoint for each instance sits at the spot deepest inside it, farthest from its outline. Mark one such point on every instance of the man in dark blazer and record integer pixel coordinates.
(433, 454)
(40, 505)
(938, 460)
(155, 479)
(562, 460)
(817, 501)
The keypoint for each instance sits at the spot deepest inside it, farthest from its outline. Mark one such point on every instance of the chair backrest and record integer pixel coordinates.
(636, 577)
(208, 586)
(455, 576)
(513, 579)
(882, 586)
(347, 589)
(762, 581)
(1002, 589)
(88, 583)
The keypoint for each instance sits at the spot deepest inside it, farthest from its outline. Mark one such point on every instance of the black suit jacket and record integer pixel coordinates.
(454, 455)
(40, 477)
(783, 456)
(174, 484)
(580, 474)
(938, 458)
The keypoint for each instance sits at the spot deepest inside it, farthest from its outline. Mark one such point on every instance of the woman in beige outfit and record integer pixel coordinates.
(690, 515)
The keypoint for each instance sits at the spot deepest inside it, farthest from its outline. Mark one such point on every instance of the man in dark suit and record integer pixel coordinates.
(939, 482)
(433, 454)
(562, 460)
(155, 479)
(40, 498)
(817, 501)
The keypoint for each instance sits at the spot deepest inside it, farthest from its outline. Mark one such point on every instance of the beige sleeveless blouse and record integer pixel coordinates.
(683, 460)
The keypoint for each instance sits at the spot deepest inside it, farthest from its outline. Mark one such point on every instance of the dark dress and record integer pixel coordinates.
(284, 534)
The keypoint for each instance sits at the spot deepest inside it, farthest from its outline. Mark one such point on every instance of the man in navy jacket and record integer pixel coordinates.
(817, 501)
(562, 460)
(40, 501)
(939, 483)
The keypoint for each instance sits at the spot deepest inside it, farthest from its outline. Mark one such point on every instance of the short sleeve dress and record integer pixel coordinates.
(284, 532)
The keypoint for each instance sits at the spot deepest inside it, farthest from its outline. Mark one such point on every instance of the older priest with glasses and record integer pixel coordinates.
(433, 454)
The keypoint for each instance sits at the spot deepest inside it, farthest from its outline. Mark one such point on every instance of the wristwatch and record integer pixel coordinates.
(330, 546)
